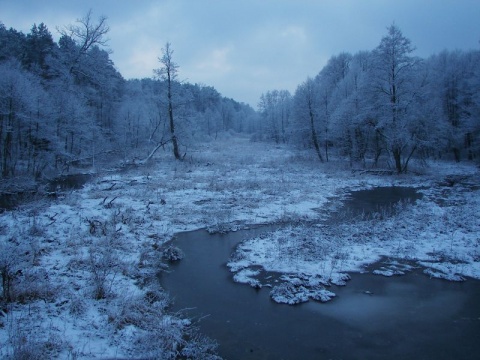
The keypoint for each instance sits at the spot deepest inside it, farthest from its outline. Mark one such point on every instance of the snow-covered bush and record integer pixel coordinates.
(287, 293)
(153, 333)
(173, 253)
(136, 310)
(161, 338)
(35, 284)
(296, 291)
(103, 266)
(200, 347)
(77, 305)
(171, 338)
(16, 270)
(29, 339)
(150, 263)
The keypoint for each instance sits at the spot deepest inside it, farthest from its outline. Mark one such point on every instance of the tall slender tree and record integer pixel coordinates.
(169, 73)
(306, 107)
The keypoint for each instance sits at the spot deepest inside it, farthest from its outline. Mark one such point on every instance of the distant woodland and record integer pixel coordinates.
(64, 106)
(384, 106)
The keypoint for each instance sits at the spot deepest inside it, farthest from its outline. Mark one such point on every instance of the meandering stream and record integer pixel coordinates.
(373, 317)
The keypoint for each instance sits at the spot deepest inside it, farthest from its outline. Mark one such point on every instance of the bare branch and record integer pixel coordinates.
(86, 34)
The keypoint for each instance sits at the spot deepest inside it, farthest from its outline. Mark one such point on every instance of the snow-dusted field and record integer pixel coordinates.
(83, 267)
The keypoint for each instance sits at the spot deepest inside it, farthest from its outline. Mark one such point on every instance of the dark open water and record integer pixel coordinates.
(407, 317)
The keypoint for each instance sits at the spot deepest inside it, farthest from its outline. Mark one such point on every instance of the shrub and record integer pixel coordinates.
(173, 253)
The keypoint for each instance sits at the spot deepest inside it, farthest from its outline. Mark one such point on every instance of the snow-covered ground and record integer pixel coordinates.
(83, 267)
(440, 233)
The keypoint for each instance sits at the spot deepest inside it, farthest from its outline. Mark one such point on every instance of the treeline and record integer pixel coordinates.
(384, 105)
(64, 105)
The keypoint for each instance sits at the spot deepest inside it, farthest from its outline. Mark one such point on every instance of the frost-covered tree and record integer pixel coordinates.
(387, 104)
(473, 135)
(454, 85)
(275, 108)
(86, 70)
(396, 87)
(25, 134)
(138, 123)
(329, 94)
(352, 132)
(306, 107)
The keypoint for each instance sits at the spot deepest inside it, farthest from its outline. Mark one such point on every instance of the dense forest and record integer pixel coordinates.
(383, 104)
(64, 105)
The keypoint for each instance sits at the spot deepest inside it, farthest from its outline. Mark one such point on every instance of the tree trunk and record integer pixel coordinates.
(456, 154)
(468, 145)
(7, 144)
(326, 145)
(314, 133)
(6, 282)
(397, 156)
(176, 153)
(378, 148)
(405, 166)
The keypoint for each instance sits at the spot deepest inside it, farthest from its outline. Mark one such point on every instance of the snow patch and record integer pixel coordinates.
(441, 275)
(291, 294)
(245, 276)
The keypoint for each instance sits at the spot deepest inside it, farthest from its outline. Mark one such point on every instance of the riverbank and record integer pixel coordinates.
(438, 233)
(84, 265)
(373, 317)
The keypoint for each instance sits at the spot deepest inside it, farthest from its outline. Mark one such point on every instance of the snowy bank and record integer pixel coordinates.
(438, 232)
(83, 267)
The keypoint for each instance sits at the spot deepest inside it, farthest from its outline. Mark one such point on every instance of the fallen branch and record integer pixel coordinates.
(155, 149)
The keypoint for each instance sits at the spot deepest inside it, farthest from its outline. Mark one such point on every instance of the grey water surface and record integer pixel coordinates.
(373, 317)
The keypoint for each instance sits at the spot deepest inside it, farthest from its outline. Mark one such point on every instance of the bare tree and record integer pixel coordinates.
(168, 73)
(306, 103)
(275, 109)
(86, 34)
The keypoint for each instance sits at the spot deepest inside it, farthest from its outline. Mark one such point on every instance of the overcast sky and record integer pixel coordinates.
(246, 47)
